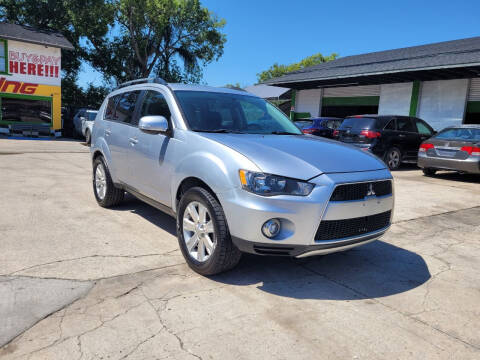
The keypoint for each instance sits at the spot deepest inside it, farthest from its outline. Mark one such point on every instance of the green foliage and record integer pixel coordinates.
(277, 70)
(172, 39)
(235, 86)
(92, 97)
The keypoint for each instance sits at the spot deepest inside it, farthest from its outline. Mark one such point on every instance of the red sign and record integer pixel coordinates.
(17, 87)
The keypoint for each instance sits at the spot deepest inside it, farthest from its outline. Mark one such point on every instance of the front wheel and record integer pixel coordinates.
(393, 158)
(429, 171)
(203, 234)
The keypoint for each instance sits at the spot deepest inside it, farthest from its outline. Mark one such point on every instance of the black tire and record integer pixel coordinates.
(88, 137)
(225, 255)
(429, 171)
(113, 195)
(393, 158)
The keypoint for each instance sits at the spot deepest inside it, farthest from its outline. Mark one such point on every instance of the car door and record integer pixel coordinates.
(118, 125)
(408, 137)
(149, 170)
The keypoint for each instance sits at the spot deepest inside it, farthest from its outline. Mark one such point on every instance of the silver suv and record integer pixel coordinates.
(236, 173)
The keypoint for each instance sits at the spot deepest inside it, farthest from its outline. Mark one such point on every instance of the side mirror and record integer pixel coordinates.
(82, 118)
(154, 124)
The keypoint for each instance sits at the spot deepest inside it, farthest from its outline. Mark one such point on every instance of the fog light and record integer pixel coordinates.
(271, 228)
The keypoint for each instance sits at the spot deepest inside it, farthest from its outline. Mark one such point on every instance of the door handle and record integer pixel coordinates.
(107, 132)
(133, 141)
(401, 135)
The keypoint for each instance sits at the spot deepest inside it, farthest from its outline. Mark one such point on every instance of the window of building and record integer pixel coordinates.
(27, 111)
(3, 56)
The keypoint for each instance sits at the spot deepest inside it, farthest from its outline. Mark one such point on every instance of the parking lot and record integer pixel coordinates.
(82, 282)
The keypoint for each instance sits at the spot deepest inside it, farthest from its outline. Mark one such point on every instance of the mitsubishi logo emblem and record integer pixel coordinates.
(370, 191)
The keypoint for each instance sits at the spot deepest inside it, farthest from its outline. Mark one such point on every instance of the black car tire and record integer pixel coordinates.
(88, 137)
(225, 255)
(393, 158)
(429, 171)
(113, 195)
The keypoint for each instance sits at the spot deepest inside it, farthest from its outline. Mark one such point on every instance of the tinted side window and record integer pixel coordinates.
(126, 106)
(423, 128)
(391, 125)
(155, 104)
(405, 124)
(110, 110)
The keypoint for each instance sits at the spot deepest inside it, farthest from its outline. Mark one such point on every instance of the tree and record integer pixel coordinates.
(277, 70)
(172, 39)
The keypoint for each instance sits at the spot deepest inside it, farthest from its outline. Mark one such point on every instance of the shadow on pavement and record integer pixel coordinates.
(375, 270)
(455, 176)
(155, 216)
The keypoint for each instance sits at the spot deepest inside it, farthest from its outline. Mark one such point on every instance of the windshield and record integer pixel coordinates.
(222, 112)
(461, 134)
(91, 115)
(357, 123)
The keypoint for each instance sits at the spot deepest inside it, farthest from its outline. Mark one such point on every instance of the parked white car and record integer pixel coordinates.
(87, 124)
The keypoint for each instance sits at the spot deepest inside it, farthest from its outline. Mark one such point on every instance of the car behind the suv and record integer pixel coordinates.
(393, 138)
(236, 173)
(323, 126)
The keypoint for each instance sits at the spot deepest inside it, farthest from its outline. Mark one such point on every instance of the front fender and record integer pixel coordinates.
(219, 173)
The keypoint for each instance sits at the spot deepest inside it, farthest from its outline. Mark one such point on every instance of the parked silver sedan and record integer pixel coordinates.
(236, 173)
(454, 148)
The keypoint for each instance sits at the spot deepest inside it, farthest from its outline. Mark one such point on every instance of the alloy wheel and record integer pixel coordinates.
(100, 181)
(198, 231)
(393, 159)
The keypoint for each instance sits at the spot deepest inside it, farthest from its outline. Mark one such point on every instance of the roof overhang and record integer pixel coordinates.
(458, 71)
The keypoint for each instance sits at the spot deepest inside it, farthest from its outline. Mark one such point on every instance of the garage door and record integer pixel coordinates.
(472, 115)
(350, 100)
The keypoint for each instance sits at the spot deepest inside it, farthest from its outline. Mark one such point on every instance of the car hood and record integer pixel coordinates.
(301, 157)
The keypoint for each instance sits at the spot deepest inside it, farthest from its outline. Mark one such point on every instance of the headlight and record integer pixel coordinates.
(269, 185)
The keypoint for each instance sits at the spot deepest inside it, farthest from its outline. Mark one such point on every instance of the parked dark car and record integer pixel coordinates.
(455, 148)
(322, 126)
(393, 138)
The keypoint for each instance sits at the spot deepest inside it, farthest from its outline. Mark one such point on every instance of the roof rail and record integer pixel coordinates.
(143, 81)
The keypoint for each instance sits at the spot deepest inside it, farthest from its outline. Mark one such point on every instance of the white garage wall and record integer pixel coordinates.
(395, 99)
(442, 103)
(308, 101)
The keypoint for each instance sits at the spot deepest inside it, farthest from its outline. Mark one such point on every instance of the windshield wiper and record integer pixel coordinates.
(283, 133)
(219, 131)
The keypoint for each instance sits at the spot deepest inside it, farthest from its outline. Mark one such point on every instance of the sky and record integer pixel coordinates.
(263, 32)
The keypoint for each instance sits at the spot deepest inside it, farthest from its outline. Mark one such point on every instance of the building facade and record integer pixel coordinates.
(439, 83)
(30, 78)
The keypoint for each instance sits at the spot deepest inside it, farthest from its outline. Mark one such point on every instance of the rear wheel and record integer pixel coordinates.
(203, 234)
(429, 171)
(393, 158)
(88, 137)
(106, 193)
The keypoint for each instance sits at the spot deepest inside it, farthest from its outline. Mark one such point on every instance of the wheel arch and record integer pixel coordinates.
(188, 183)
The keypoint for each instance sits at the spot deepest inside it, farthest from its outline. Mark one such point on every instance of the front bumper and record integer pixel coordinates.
(469, 165)
(301, 216)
